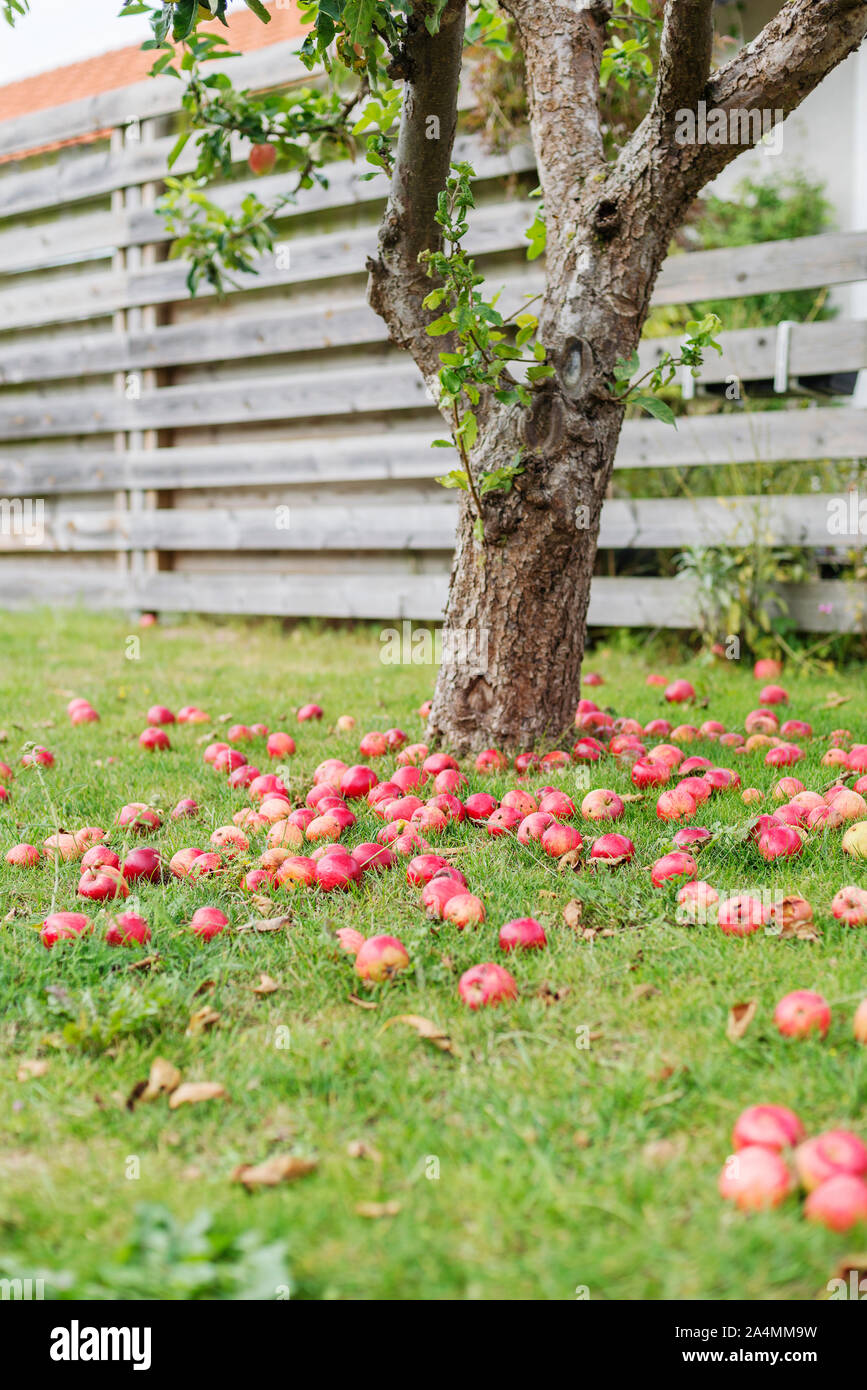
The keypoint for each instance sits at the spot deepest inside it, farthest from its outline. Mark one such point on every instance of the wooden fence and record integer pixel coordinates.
(270, 454)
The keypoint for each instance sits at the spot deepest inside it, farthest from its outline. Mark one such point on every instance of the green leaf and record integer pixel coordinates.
(440, 326)
(657, 408)
(177, 147)
(259, 10)
(457, 478)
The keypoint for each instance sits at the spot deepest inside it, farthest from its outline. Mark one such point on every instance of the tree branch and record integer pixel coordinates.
(684, 55)
(397, 284)
(562, 46)
(767, 79)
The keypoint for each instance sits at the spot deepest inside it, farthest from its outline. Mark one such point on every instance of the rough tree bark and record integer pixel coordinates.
(516, 618)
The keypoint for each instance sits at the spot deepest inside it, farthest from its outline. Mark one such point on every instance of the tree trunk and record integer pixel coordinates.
(514, 638)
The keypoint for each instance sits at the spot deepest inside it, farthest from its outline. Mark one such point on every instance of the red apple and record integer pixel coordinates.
(675, 803)
(23, 856)
(533, 827)
(64, 926)
(185, 807)
(262, 158)
(160, 714)
(690, 835)
(381, 958)
(755, 1178)
(208, 922)
(437, 892)
(142, 863)
(464, 910)
(486, 984)
(768, 1127)
(849, 905)
(673, 866)
(679, 692)
(127, 929)
(840, 1203)
(561, 839)
(480, 806)
(742, 915)
(370, 856)
(697, 902)
(100, 854)
(779, 842)
(422, 868)
(612, 849)
(309, 712)
(647, 774)
(523, 933)
(802, 1012)
(829, 1155)
(337, 870)
(503, 821)
(491, 760)
(296, 869)
(517, 800)
(859, 1022)
(154, 740)
(602, 804)
(102, 883)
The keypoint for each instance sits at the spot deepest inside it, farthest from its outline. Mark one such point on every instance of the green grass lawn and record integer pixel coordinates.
(524, 1165)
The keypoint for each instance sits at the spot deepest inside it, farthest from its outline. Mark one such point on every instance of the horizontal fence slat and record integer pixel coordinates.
(493, 229)
(736, 271)
(622, 602)
(346, 186)
(627, 524)
(342, 321)
(760, 436)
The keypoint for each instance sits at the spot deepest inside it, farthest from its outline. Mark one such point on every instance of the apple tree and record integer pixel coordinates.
(532, 403)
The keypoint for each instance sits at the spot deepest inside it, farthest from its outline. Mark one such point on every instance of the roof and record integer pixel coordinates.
(123, 66)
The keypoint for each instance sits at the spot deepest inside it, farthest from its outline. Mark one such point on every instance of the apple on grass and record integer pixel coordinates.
(486, 984)
(64, 926)
(768, 1127)
(380, 958)
(755, 1178)
(296, 870)
(558, 840)
(100, 854)
(801, 1012)
(207, 922)
(464, 910)
(101, 883)
(859, 1023)
(849, 905)
(741, 915)
(23, 856)
(840, 1203)
(835, 1153)
(673, 866)
(602, 804)
(127, 929)
(154, 740)
(523, 933)
(437, 892)
(697, 901)
(612, 849)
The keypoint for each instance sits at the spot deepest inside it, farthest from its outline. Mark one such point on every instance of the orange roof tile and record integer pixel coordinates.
(123, 66)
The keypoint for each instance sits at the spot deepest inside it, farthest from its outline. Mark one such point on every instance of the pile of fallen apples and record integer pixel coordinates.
(831, 1167)
(304, 845)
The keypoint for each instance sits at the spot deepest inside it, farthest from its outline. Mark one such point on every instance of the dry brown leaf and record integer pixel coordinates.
(740, 1018)
(548, 893)
(431, 1032)
(193, 1092)
(362, 1003)
(203, 1018)
(266, 923)
(204, 988)
(261, 903)
(631, 796)
(279, 1168)
(376, 1210)
(644, 991)
(30, 1068)
(572, 913)
(266, 985)
(569, 860)
(163, 1079)
(834, 699)
(359, 1148)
